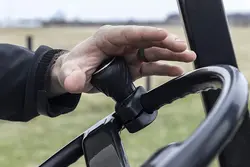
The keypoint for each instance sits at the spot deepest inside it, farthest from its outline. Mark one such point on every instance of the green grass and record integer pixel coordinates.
(32, 143)
(29, 144)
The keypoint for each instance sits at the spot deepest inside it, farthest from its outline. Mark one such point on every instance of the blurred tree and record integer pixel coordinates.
(59, 16)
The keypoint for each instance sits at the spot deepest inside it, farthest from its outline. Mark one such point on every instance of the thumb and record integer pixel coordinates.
(73, 79)
(75, 82)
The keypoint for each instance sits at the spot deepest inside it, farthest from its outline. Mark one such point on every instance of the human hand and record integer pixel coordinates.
(72, 71)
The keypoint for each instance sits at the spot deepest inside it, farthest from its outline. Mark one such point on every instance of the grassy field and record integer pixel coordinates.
(29, 144)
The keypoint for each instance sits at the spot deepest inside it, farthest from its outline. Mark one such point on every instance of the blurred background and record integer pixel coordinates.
(63, 24)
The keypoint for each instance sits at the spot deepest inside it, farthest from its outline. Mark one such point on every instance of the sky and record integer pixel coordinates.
(101, 10)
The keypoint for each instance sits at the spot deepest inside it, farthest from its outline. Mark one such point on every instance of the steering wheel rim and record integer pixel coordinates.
(220, 125)
(234, 91)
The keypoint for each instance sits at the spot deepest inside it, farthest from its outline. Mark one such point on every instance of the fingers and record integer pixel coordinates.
(126, 35)
(173, 43)
(156, 54)
(139, 37)
(160, 69)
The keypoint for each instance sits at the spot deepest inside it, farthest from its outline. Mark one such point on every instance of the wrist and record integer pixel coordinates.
(55, 87)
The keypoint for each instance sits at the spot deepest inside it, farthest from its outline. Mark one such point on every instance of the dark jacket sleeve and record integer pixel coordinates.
(23, 78)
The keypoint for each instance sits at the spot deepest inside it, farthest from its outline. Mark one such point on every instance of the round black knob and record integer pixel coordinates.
(113, 78)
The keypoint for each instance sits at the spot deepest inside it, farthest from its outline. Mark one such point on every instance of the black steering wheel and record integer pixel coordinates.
(135, 109)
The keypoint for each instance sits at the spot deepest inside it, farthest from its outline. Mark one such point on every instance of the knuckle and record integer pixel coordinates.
(104, 27)
(101, 30)
(133, 34)
(124, 33)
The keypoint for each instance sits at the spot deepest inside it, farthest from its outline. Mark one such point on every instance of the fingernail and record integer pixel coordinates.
(160, 29)
(179, 40)
(191, 52)
(188, 51)
(181, 44)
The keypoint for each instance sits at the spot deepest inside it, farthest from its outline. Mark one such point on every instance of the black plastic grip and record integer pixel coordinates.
(113, 78)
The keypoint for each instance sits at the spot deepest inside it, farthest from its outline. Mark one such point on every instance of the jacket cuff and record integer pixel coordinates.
(55, 106)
